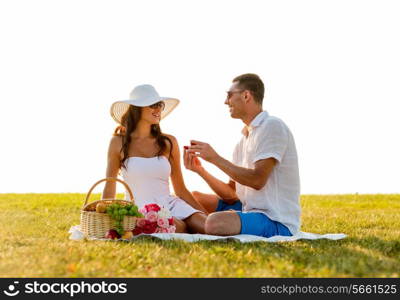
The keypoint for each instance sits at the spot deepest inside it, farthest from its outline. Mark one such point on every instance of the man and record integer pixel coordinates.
(262, 196)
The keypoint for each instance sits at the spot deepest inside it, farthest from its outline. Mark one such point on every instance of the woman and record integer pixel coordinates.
(147, 158)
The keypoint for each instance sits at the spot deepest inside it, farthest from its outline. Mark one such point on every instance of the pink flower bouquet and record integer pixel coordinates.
(156, 220)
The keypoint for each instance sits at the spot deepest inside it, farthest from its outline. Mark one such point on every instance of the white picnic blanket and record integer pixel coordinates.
(76, 234)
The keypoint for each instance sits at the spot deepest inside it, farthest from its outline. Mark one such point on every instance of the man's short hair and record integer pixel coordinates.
(253, 83)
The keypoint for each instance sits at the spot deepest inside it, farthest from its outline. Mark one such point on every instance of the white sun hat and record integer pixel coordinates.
(142, 95)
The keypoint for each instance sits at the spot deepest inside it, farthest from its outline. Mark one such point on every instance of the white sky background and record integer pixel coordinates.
(331, 70)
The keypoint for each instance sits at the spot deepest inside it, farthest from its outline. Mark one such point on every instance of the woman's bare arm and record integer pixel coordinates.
(177, 179)
(113, 166)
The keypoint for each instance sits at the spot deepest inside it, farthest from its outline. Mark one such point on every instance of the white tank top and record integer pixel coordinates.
(148, 179)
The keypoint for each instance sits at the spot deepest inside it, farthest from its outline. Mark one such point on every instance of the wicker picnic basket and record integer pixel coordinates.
(96, 225)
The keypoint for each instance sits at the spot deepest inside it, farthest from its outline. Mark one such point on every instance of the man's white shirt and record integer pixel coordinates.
(279, 199)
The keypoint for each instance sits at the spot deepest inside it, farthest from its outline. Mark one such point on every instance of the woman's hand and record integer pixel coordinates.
(177, 179)
(191, 162)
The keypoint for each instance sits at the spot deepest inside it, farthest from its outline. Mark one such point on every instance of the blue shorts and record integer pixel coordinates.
(223, 206)
(255, 223)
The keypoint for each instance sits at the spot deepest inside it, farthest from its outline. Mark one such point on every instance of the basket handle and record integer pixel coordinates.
(108, 179)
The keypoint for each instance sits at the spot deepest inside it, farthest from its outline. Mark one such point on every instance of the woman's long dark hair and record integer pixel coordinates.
(129, 123)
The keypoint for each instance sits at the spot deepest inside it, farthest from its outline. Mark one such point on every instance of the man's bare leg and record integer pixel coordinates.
(223, 223)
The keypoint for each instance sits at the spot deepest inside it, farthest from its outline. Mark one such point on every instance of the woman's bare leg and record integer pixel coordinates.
(180, 226)
(209, 201)
(196, 222)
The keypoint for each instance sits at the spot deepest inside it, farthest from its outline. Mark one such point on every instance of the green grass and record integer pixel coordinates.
(34, 243)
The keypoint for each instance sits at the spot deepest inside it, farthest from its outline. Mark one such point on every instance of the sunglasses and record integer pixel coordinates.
(230, 93)
(160, 105)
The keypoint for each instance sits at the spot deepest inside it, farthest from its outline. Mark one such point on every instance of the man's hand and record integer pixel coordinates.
(203, 150)
(191, 162)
